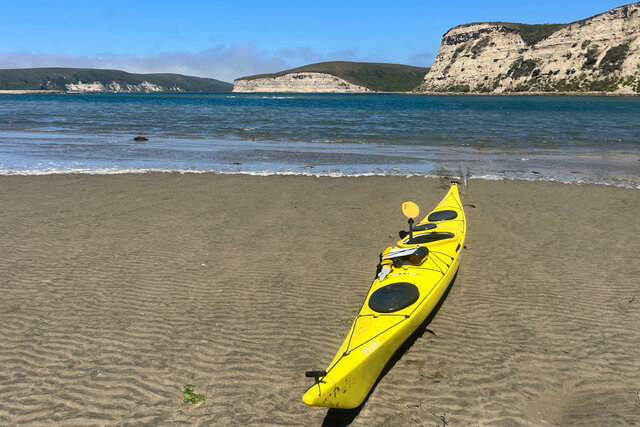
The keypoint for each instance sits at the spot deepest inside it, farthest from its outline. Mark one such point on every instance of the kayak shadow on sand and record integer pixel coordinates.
(344, 417)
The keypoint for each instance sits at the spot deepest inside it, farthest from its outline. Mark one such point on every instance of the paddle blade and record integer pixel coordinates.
(410, 209)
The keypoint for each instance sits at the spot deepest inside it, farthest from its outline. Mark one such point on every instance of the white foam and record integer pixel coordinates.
(331, 174)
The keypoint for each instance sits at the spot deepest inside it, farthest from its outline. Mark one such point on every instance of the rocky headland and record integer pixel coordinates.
(46, 80)
(300, 82)
(598, 54)
(336, 77)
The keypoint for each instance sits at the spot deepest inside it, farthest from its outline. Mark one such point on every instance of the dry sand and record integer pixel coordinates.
(119, 290)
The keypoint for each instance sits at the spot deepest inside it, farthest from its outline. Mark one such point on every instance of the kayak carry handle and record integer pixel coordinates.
(410, 231)
(315, 374)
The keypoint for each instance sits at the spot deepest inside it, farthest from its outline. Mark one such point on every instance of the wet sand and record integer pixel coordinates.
(119, 290)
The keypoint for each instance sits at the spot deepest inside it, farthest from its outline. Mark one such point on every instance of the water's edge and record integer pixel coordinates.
(564, 139)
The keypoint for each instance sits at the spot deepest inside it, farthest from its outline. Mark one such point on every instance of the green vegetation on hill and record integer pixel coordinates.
(532, 34)
(375, 76)
(58, 78)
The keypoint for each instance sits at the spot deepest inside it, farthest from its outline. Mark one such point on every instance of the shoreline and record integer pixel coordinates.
(536, 178)
(594, 94)
(118, 290)
(31, 92)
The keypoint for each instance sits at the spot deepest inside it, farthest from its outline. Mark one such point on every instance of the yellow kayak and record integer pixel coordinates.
(413, 276)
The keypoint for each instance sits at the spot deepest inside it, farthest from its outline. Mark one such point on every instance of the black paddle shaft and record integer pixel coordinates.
(410, 231)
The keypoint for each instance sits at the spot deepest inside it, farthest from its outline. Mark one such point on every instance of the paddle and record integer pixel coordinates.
(410, 210)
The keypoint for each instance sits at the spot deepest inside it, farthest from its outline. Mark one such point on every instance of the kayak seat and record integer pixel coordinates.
(443, 215)
(393, 297)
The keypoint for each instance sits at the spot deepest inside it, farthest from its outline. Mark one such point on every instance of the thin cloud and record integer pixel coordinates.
(224, 63)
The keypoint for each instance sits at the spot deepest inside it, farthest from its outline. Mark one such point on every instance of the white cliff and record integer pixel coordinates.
(299, 82)
(115, 86)
(601, 53)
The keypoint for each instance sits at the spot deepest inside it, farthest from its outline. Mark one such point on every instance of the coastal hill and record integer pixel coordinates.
(336, 77)
(94, 80)
(598, 54)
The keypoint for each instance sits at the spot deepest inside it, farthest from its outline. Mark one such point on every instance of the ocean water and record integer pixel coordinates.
(569, 139)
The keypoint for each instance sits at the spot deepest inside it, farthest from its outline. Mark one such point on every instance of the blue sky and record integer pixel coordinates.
(226, 40)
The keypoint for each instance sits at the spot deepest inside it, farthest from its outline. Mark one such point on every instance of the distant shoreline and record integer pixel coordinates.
(602, 94)
(30, 92)
(83, 92)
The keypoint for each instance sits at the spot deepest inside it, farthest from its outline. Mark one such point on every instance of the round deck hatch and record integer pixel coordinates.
(443, 215)
(394, 297)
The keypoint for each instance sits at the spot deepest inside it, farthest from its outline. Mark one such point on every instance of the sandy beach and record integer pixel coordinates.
(118, 290)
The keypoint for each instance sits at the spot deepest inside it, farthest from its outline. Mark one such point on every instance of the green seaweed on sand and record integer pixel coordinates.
(190, 397)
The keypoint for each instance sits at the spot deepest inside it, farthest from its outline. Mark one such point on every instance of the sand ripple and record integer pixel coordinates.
(119, 290)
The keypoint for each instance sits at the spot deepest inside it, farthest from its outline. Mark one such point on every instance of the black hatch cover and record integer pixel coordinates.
(442, 215)
(394, 297)
(422, 227)
(434, 236)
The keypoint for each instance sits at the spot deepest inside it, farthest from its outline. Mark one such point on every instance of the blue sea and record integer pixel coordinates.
(559, 138)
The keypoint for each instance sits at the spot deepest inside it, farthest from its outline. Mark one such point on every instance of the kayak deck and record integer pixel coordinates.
(396, 304)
